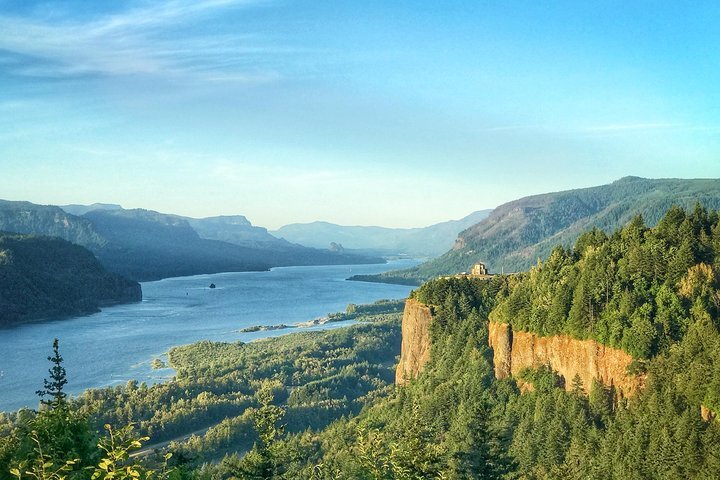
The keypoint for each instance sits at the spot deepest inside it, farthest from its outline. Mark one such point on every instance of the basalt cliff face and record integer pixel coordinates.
(514, 351)
(585, 359)
(415, 350)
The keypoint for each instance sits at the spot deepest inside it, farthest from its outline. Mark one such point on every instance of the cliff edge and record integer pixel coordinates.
(585, 359)
(415, 350)
(514, 351)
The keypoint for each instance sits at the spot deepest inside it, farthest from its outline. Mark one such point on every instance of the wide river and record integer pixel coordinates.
(119, 343)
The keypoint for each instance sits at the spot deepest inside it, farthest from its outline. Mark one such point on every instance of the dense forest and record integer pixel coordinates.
(321, 406)
(457, 421)
(42, 277)
(317, 377)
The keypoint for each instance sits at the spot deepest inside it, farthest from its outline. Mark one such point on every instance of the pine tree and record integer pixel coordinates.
(54, 387)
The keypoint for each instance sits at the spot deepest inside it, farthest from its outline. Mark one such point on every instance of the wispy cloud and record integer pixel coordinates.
(632, 127)
(640, 128)
(139, 41)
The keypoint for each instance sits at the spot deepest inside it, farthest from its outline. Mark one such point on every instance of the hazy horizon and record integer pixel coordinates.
(396, 115)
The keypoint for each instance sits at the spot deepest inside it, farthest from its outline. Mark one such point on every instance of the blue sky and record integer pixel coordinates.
(388, 113)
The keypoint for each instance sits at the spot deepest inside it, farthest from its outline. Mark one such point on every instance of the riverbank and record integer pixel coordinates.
(118, 344)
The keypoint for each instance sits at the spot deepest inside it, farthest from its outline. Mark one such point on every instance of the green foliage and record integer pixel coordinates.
(41, 467)
(632, 290)
(57, 443)
(374, 312)
(116, 463)
(44, 277)
(54, 386)
(261, 462)
(318, 377)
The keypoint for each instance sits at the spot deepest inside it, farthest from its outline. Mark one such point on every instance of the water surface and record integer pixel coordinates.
(118, 344)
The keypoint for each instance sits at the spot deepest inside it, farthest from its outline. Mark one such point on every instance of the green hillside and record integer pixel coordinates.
(457, 421)
(43, 277)
(517, 233)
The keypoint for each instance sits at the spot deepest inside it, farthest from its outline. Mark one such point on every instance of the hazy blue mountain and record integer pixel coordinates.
(237, 230)
(424, 241)
(29, 218)
(234, 229)
(76, 209)
(42, 277)
(517, 233)
(147, 245)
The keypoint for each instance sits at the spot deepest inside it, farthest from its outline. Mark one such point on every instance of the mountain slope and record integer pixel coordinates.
(426, 241)
(146, 245)
(517, 233)
(237, 230)
(29, 218)
(43, 277)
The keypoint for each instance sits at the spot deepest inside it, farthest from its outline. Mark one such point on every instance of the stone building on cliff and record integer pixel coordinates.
(478, 269)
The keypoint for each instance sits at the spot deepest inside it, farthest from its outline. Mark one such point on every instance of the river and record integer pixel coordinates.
(119, 343)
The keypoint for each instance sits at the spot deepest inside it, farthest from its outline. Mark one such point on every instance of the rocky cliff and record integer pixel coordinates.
(514, 351)
(415, 350)
(569, 357)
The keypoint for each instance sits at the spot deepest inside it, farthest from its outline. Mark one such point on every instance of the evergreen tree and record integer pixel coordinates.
(54, 387)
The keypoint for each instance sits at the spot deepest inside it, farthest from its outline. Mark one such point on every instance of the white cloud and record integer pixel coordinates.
(137, 42)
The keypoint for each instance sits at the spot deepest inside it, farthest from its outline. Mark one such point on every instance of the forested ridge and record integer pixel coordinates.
(45, 277)
(322, 407)
(517, 233)
(655, 290)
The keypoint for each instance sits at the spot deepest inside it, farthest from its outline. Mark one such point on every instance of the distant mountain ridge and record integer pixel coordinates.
(49, 220)
(76, 209)
(47, 277)
(427, 241)
(147, 245)
(517, 233)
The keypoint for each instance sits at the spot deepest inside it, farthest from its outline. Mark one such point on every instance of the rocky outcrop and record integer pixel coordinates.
(707, 414)
(585, 359)
(514, 351)
(415, 350)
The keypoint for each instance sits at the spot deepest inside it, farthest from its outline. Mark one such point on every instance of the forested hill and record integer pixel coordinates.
(630, 290)
(42, 277)
(517, 233)
(652, 292)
